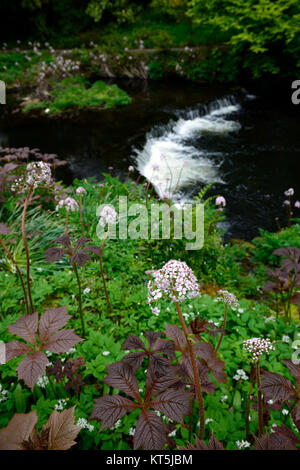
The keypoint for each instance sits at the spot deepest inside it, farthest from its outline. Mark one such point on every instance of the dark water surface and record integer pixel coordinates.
(255, 162)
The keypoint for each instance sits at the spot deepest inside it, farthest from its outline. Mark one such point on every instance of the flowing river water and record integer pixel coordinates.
(181, 136)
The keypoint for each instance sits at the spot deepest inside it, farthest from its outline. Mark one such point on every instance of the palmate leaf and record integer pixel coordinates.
(62, 341)
(120, 375)
(80, 258)
(62, 430)
(175, 404)
(54, 254)
(150, 432)
(35, 362)
(156, 383)
(32, 367)
(57, 434)
(52, 320)
(16, 349)
(26, 328)
(157, 351)
(18, 430)
(276, 387)
(293, 368)
(110, 408)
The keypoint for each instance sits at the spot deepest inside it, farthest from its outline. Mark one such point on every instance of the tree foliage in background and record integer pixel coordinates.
(123, 11)
(173, 8)
(265, 32)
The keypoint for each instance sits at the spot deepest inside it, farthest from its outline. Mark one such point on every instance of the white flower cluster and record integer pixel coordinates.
(37, 173)
(116, 425)
(289, 192)
(61, 404)
(84, 424)
(228, 298)
(240, 375)
(108, 216)
(69, 203)
(257, 346)
(42, 381)
(242, 444)
(3, 394)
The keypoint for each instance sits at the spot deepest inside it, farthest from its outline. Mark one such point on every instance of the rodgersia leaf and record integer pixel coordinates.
(110, 408)
(62, 341)
(52, 320)
(133, 342)
(81, 241)
(26, 327)
(62, 430)
(175, 404)
(80, 258)
(54, 254)
(18, 430)
(16, 348)
(150, 432)
(276, 387)
(293, 368)
(32, 367)
(120, 375)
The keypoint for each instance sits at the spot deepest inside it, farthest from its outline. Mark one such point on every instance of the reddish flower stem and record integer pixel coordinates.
(260, 404)
(26, 248)
(195, 371)
(81, 222)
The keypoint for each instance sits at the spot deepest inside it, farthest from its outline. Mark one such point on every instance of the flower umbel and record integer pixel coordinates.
(228, 298)
(108, 215)
(257, 346)
(80, 190)
(69, 203)
(174, 280)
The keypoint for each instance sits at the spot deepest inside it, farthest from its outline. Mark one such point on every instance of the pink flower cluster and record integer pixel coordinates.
(220, 201)
(108, 216)
(69, 203)
(174, 280)
(228, 298)
(80, 190)
(257, 346)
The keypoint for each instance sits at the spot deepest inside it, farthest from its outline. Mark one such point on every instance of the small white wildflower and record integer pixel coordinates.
(61, 404)
(285, 339)
(285, 412)
(106, 353)
(87, 290)
(243, 444)
(42, 381)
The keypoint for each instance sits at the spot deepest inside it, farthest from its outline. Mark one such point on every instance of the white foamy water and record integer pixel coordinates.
(170, 163)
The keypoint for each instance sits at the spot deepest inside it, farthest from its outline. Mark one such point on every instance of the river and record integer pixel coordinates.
(197, 134)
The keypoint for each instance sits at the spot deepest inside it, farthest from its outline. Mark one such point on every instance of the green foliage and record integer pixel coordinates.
(123, 11)
(264, 34)
(71, 93)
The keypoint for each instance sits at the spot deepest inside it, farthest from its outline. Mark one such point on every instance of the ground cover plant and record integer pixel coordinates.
(136, 343)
